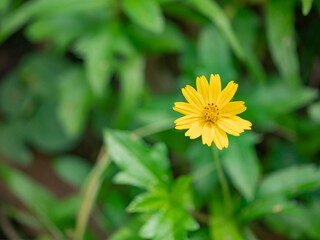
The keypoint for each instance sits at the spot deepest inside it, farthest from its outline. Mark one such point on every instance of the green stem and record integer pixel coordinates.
(90, 191)
(222, 180)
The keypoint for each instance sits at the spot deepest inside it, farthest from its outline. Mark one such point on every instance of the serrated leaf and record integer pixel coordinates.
(306, 6)
(290, 181)
(74, 99)
(242, 164)
(280, 33)
(145, 13)
(140, 165)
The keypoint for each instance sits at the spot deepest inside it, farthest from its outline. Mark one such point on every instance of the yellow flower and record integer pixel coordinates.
(210, 113)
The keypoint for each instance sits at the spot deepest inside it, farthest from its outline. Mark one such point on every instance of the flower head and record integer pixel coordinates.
(210, 113)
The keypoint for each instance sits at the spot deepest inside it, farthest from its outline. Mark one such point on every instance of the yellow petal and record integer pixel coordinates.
(185, 122)
(229, 126)
(207, 134)
(185, 108)
(193, 97)
(233, 108)
(203, 88)
(220, 138)
(227, 94)
(245, 124)
(195, 130)
(215, 87)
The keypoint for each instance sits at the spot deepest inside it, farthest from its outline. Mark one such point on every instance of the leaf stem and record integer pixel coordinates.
(89, 193)
(222, 180)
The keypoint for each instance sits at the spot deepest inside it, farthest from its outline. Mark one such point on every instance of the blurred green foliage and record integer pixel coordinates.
(105, 74)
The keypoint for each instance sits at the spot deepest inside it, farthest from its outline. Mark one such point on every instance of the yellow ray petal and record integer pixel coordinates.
(227, 94)
(229, 126)
(207, 133)
(220, 137)
(232, 108)
(203, 88)
(193, 97)
(185, 108)
(195, 130)
(214, 88)
(245, 124)
(185, 122)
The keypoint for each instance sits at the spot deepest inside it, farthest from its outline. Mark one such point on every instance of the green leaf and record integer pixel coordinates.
(214, 57)
(96, 50)
(221, 225)
(212, 11)
(262, 207)
(302, 220)
(12, 143)
(71, 169)
(74, 102)
(280, 33)
(306, 6)
(168, 208)
(129, 231)
(242, 164)
(290, 181)
(145, 13)
(132, 76)
(140, 165)
(314, 112)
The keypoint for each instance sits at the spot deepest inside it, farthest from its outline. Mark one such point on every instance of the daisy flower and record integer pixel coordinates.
(210, 113)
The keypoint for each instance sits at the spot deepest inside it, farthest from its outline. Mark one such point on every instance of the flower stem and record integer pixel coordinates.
(222, 180)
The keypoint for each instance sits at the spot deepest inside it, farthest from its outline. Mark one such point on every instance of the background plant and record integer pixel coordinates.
(81, 77)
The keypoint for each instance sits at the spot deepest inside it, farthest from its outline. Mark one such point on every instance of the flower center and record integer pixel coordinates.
(211, 112)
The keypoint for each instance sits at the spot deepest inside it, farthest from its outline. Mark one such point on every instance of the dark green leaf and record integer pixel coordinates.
(146, 13)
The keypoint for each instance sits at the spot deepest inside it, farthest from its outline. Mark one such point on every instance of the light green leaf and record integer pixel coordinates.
(71, 169)
(145, 13)
(132, 76)
(280, 33)
(214, 55)
(129, 231)
(314, 111)
(213, 11)
(96, 50)
(74, 104)
(306, 6)
(242, 164)
(221, 225)
(290, 181)
(140, 165)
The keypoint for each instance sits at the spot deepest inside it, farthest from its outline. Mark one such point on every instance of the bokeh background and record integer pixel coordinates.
(86, 94)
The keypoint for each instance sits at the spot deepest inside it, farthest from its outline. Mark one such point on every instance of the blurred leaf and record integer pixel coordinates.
(12, 143)
(96, 50)
(140, 165)
(264, 206)
(132, 76)
(306, 6)
(280, 33)
(290, 181)
(222, 226)
(212, 11)
(74, 102)
(45, 132)
(45, 7)
(170, 39)
(314, 112)
(146, 13)
(129, 231)
(303, 222)
(242, 164)
(214, 55)
(71, 169)
(169, 219)
(246, 26)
